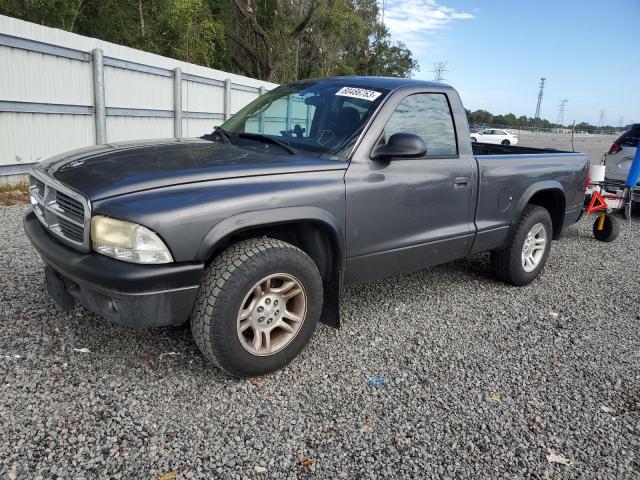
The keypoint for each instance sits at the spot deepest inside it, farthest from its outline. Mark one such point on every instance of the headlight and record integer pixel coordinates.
(127, 241)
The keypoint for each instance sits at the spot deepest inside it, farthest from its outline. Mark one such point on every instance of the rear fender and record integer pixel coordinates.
(525, 199)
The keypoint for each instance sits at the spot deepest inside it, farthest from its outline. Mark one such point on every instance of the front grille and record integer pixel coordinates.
(70, 206)
(71, 230)
(37, 187)
(62, 211)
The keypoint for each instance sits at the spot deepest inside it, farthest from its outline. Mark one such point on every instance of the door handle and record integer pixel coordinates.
(461, 182)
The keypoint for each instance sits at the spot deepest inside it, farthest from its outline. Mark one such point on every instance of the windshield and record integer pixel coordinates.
(315, 116)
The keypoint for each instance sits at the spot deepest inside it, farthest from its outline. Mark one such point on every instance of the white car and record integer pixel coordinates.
(493, 135)
(621, 154)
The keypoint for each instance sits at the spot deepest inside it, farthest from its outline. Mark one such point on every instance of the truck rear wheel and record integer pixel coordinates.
(258, 305)
(522, 260)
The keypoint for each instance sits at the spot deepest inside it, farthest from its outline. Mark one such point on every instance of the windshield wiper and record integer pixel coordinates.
(267, 138)
(224, 134)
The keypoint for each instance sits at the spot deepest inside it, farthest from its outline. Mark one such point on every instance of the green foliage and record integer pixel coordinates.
(277, 40)
(53, 13)
(484, 118)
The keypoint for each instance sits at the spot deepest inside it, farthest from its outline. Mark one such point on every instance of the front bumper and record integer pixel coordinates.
(129, 294)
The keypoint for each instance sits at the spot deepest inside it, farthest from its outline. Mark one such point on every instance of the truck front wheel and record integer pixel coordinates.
(522, 260)
(258, 305)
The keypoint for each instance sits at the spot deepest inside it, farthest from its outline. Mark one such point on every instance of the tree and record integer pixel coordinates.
(276, 40)
(267, 37)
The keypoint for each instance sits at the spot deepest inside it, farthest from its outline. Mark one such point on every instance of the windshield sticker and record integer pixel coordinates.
(370, 95)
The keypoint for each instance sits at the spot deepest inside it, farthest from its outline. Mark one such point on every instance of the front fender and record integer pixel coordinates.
(274, 216)
(286, 215)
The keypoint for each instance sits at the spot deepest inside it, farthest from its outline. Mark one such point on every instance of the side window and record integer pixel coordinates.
(429, 116)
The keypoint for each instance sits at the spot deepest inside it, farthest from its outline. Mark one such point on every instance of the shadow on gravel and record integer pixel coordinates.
(154, 350)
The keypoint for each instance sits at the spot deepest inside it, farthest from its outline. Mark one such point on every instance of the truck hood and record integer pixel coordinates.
(116, 169)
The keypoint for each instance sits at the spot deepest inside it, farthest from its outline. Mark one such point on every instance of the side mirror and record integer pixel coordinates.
(400, 145)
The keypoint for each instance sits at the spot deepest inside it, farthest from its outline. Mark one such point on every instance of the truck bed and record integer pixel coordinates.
(508, 173)
(492, 149)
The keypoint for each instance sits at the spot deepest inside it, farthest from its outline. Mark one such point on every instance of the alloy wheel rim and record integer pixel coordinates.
(534, 247)
(271, 314)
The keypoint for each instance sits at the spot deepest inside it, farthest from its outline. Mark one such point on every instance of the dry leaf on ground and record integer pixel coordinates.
(258, 382)
(306, 463)
(554, 457)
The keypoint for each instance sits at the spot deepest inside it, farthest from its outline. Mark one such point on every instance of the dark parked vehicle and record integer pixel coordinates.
(252, 231)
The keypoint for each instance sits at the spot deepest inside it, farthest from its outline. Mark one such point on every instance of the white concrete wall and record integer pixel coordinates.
(48, 78)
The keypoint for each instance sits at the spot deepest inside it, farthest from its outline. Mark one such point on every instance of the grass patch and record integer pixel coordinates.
(14, 194)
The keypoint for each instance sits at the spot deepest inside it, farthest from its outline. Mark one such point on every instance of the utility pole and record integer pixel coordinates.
(561, 108)
(540, 95)
(621, 122)
(439, 70)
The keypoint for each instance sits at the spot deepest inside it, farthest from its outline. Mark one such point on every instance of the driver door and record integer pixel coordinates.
(407, 213)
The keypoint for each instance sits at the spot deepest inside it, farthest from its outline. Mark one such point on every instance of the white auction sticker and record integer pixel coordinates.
(370, 95)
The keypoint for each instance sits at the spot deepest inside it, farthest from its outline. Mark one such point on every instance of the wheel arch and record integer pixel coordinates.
(314, 230)
(549, 195)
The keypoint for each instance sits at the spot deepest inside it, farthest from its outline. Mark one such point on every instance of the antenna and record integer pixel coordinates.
(439, 70)
(540, 94)
(601, 119)
(561, 108)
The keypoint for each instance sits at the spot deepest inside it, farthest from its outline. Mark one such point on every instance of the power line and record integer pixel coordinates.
(540, 95)
(561, 108)
(439, 69)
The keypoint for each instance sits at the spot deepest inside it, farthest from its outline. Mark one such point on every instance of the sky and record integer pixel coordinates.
(497, 51)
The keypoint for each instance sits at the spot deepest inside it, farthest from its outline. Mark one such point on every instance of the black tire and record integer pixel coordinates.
(226, 283)
(610, 228)
(506, 142)
(507, 262)
(474, 140)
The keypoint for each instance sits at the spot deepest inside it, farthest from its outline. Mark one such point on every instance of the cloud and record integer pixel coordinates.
(412, 21)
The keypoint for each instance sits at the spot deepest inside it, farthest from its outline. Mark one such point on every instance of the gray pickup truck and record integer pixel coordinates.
(250, 232)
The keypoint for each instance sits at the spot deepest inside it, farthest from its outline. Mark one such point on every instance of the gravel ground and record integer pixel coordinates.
(481, 380)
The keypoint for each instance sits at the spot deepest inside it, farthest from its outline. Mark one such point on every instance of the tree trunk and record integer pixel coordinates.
(141, 17)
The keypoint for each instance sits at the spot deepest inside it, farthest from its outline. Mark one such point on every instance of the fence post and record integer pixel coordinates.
(177, 102)
(100, 111)
(227, 99)
(288, 119)
(261, 91)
